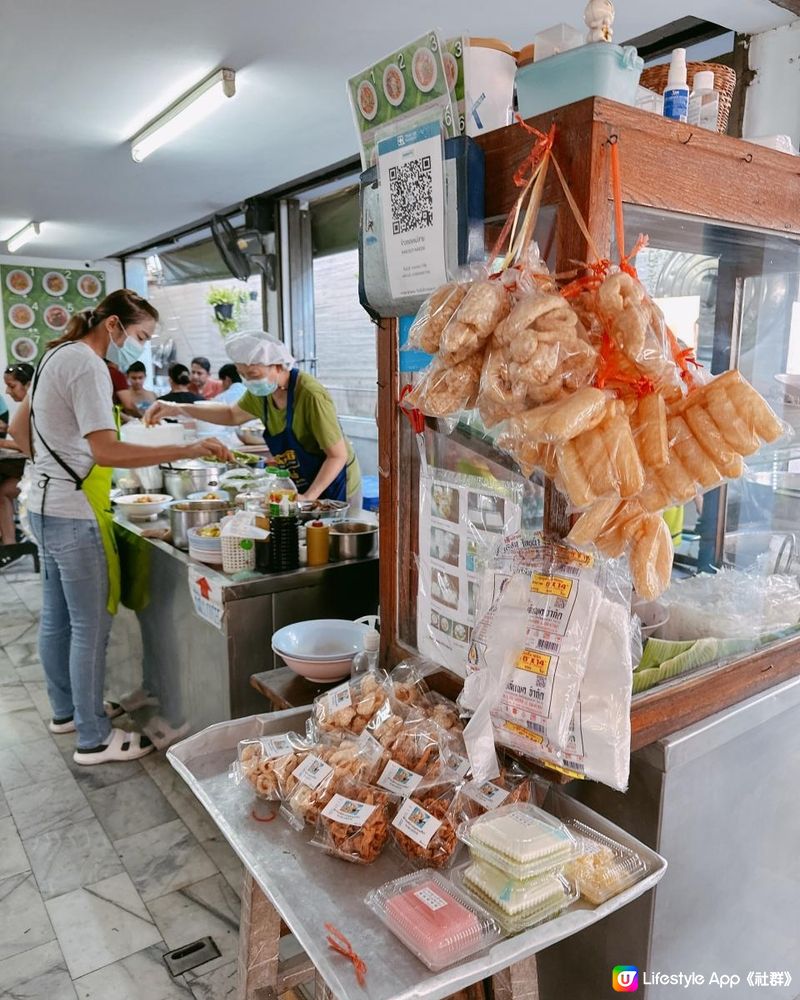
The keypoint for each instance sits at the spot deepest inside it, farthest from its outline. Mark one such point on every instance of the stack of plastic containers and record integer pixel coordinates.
(433, 918)
(519, 853)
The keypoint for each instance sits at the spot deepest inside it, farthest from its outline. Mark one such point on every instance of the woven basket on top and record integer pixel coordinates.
(655, 78)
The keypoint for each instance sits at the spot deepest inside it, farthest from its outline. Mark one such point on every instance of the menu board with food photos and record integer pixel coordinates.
(38, 303)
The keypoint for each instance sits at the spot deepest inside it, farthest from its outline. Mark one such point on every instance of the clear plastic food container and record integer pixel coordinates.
(604, 868)
(517, 905)
(439, 922)
(521, 840)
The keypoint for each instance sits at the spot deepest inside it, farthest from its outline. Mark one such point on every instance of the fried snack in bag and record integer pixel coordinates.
(353, 704)
(511, 786)
(434, 315)
(448, 388)
(485, 304)
(267, 762)
(354, 825)
(408, 684)
(416, 744)
(424, 827)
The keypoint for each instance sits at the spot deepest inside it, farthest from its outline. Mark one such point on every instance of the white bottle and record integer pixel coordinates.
(676, 96)
(704, 102)
(367, 659)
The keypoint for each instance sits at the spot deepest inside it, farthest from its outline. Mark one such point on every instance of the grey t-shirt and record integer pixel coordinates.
(73, 398)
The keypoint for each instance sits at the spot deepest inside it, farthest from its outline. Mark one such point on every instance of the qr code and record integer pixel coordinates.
(411, 195)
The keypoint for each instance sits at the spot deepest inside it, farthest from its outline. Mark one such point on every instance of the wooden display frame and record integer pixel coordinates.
(663, 164)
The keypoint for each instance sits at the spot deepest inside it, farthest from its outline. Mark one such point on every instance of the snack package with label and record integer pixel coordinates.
(521, 840)
(318, 777)
(517, 905)
(434, 919)
(511, 786)
(604, 868)
(424, 826)
(352, 705)
(354, 825)
(530, 649)
(416, 744)
(434, 315)
(268, 762)
(408, 684)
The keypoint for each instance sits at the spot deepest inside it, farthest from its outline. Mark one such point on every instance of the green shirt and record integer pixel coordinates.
(315, 424)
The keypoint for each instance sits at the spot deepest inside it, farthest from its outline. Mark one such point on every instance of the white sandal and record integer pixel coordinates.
(121, 746)
(112, 709)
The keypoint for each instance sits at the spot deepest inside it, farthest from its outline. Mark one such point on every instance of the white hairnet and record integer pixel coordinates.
(254, 347)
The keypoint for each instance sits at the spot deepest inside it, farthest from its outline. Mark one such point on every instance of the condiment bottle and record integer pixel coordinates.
(367, 659)
(317, 543)
(676, 96)
(704, 102)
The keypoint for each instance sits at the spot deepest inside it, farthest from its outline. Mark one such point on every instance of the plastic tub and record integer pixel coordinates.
(604, 867)
(597, 70)
(517, 905)
(433, 918)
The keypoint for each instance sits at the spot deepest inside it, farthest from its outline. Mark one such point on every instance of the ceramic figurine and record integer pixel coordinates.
(599, 16)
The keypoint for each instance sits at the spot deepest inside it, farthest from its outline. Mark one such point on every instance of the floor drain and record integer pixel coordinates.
(189, 956)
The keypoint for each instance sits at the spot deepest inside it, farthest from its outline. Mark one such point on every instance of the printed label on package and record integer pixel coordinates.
(416, 823)
(430, 898)
(339, 698)
(348, 811)
(399, 779)
(276, 746)
(312, 772)
(486, 794)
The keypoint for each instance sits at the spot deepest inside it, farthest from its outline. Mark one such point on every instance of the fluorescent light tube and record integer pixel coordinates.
(188, 111)
(25, 235)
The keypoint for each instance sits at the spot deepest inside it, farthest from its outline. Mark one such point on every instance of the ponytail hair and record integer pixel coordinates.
(128, 306)
(179, 374)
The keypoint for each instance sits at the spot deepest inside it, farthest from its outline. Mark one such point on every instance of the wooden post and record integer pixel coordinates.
(259, 941)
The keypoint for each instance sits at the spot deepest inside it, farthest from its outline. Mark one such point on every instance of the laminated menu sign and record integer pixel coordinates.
(38, 303)
(206, 595)
(461, 518)
(411, 179)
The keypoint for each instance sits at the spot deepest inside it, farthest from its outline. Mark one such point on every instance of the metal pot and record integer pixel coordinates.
(187, 514)
(181, 480)
(352, 540)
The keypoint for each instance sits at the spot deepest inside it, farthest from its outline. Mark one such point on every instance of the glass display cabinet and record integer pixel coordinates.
(723, 263)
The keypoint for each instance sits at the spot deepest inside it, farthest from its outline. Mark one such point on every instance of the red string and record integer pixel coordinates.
(340, 944)
(543, 145)
(263, 819)
(415, 417)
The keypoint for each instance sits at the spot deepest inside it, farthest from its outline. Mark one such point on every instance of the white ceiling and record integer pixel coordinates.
(79, 78)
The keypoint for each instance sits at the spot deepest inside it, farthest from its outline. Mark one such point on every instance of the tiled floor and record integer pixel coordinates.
(102, 869)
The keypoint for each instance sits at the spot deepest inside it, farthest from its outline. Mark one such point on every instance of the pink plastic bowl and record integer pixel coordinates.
(321, 672)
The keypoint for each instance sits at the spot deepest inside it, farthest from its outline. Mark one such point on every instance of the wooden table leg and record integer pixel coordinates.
(518, 982)
(259, 941)
(321, 989)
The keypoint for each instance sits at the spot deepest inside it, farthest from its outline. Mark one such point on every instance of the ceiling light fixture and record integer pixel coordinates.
(23, 236)
(184, 113)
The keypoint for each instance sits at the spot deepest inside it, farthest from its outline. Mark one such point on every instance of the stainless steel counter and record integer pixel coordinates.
(193, 673)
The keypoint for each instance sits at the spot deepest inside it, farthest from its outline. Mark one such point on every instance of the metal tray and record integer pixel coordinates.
(310, 889)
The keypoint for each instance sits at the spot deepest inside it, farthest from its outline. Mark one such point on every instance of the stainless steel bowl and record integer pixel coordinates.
(352, 540)
(185, 514)
(195, 477)
(313, 510)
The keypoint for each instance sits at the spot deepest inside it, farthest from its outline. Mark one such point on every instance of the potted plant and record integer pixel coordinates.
(227, 303)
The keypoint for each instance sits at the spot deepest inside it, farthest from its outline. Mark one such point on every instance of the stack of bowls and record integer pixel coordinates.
(321, 650)
(205, 549)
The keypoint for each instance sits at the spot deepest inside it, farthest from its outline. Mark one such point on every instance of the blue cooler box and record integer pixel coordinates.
(596, 70)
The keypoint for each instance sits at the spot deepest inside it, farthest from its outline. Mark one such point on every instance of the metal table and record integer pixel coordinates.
(289, 879)
(195, 673)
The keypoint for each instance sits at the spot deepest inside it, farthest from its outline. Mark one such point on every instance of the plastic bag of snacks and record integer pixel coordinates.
(268, 762)
(408, 684)
(353, 704)
(512, 785)
(424, 827)
(354, 825)
(318, 777)
(416, 744)
(434, 315)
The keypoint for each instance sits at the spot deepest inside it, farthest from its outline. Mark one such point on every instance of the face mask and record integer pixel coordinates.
(130, 351)
(260, 386)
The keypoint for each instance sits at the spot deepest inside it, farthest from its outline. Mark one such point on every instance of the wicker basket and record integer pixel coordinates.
(655, 78)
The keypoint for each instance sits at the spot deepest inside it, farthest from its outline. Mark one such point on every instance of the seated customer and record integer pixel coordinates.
(17, 380)
(205, 386)
(232, 386)
(180, 384)
(136, 399)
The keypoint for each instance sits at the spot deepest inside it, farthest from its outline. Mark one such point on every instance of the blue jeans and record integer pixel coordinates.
(75, 624)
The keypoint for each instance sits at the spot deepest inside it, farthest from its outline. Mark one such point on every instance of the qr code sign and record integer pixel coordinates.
(411, 195)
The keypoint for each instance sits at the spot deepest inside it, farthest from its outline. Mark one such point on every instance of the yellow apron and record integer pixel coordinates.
(96, 487)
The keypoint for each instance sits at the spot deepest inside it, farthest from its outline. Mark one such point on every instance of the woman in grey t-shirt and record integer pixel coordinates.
(67, 425)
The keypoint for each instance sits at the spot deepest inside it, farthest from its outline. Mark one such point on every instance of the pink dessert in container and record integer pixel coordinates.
(433, 918)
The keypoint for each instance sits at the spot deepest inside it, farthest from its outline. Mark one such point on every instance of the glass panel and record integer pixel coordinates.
(346, 352)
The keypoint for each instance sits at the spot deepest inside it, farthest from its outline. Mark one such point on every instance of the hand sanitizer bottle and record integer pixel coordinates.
(704, 102)
(676, 96)
(367, 659)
